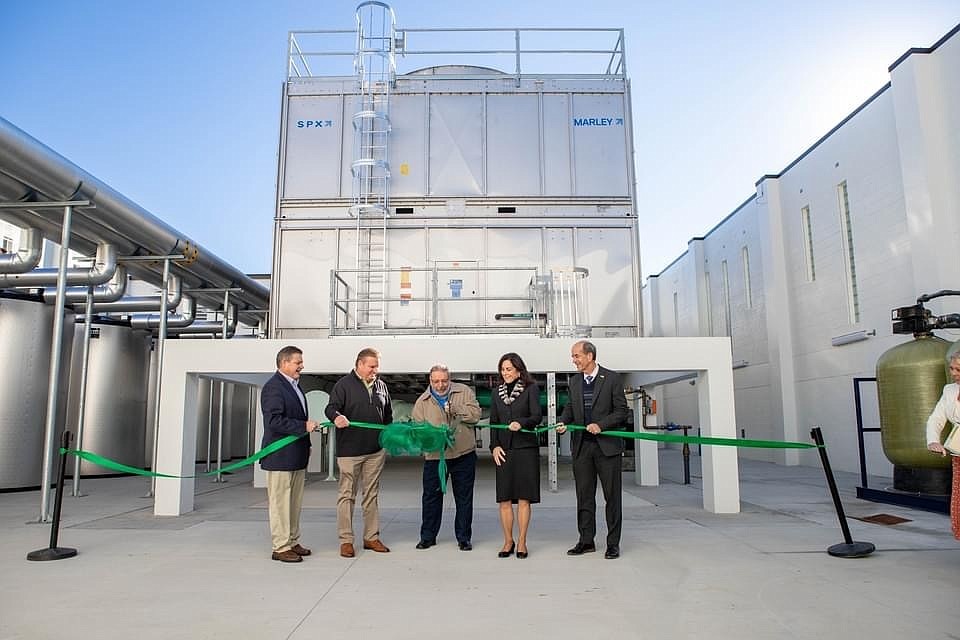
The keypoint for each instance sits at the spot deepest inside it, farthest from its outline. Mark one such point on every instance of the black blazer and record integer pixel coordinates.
(525, 409)
(350, 398)
(283, 415)
(609, 410)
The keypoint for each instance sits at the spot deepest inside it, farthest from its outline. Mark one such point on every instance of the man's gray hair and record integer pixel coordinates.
(588, 348)
(440, 367)
(954, 357)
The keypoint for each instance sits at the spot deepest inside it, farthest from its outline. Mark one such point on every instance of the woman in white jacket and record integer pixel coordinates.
(948, 408)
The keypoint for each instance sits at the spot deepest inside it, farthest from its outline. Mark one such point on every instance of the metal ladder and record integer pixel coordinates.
(375, 67)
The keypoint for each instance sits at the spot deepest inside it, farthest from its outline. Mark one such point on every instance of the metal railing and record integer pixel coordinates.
(582, 52)
(347, 301)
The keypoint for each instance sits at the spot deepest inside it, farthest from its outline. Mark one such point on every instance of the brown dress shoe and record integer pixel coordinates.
(286, 556)
(376, 545)
(300, 551)
(346, 550)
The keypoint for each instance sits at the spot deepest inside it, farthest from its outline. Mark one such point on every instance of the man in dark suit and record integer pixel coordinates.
(597, 401)
(284, 409)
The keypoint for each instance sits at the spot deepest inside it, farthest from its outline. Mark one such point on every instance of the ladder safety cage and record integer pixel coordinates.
(375, 70)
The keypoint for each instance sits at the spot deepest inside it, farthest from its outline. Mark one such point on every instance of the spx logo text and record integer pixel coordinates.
(314, 124)
(598, 122)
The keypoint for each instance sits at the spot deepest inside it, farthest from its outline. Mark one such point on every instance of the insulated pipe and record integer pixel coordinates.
(104, 266)
(110, 291)
(186, 314)
(42, 171)
(211, 326)
(132, 304)
(28, 257)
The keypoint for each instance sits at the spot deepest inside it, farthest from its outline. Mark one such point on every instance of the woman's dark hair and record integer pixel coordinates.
(519, 365)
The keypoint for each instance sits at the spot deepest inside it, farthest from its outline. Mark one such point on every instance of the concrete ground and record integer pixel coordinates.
(683, 573)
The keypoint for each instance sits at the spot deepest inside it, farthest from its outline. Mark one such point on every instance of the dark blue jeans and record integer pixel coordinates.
(462, 472)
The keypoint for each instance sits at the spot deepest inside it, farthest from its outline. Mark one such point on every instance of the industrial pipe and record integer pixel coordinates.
(103, 268)
(109, 291)
(132, 304)
(186, 314)
(210, 326)
(34, 170)
(28, 257)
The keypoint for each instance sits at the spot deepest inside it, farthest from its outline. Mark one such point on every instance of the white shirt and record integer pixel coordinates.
(296, 390)
(593, 374)
(948, 408)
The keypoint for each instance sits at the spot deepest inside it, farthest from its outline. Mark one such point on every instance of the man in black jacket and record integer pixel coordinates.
(360, 396)
(284, 414)
(596, 401)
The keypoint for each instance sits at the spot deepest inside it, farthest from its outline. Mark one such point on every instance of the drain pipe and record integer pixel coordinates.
(110, 291)
(28, 257)
(132, 304)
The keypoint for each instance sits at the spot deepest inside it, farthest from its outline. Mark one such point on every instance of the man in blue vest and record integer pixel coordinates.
(285, 414)
(598, 402)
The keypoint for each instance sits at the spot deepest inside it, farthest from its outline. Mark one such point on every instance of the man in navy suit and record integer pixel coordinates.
(598, 402)
(284, 409)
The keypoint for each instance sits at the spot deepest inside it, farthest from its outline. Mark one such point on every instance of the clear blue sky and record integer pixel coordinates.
(176, 103)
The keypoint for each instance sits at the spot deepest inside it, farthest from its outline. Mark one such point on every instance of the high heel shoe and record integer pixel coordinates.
(508, 552)
(521, 555)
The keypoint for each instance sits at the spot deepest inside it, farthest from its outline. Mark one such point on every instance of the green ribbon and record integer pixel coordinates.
(397, 437)
(666, 437)
(118, 466)
(416, 438)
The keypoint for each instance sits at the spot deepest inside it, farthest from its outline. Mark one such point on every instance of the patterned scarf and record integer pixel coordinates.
(509, 398)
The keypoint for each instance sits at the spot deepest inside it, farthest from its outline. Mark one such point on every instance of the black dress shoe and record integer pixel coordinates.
(426, 544)
(508, 552)
(613, 552)
(466, 546)
(522, 555)
(581, 548)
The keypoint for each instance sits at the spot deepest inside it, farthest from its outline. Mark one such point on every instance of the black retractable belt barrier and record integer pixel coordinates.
(53, 552)
(848, 548)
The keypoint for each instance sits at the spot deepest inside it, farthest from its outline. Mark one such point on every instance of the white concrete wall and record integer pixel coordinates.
(899, 155)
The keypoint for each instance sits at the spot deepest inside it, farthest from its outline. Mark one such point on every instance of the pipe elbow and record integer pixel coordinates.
(28, 257)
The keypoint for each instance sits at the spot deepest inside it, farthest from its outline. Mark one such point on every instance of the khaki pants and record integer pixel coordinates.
(285, 497)
(359, 473)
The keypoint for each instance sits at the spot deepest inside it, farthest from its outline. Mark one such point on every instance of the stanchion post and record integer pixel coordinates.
(53, 552)
(685, 452)
(331, 453)
(848, 548)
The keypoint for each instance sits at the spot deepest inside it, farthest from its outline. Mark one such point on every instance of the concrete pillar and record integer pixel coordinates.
(779, 316)
(926, 97)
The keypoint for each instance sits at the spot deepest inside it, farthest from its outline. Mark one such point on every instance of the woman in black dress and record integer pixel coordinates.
(516, 402)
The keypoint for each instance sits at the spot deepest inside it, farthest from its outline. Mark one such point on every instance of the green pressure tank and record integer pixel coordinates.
(946, 362)
(910, 379)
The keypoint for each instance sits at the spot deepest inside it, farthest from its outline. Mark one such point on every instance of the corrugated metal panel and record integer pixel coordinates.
(513, 145)
(303, 294)
(456, 141)
(408, 157)
(599, 145)
(556, 145)
(314, 139)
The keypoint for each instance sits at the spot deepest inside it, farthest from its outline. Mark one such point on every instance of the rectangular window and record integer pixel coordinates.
(7, 244)
(709, 296)
(846, 237)
(676, 314)
(725, 291)
(808, 243)
(745, 259)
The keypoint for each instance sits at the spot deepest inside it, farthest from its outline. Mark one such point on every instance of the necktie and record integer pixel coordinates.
(588, 379)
